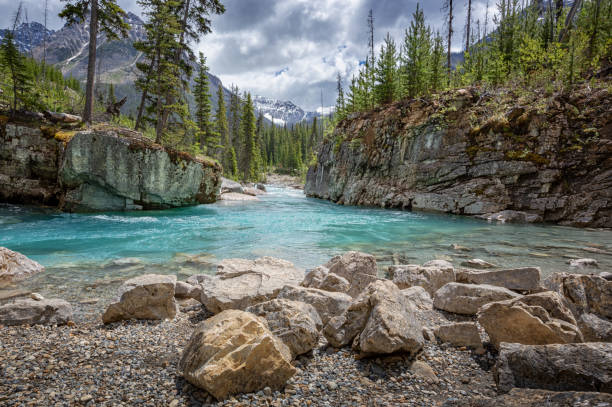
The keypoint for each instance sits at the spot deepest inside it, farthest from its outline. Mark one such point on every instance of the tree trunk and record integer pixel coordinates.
(450, 37)
(569, 19)
(143, 98)
(159, 126)
(467, 29)
(91, 64)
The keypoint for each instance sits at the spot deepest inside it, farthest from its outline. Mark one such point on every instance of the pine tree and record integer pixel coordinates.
(15, 63)
(249, 161)
(104, 15)
(436, 62)
(468, 28)
(111, 99)
(340, 111)
(448, 7)
(227, 154)
(386, 73)
(415, 56)
(208, 137)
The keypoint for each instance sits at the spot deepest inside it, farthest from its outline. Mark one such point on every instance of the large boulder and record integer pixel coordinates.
(379, 321)
(519, 279)
(431, 277)
(359, 269)
(184, 290)
(228, 185)
(536, 319)
(466, 299)
(15, 267)
(150, 296)
(235, 352)
(30, 312)
(241, 283)
(297, 324)
(102, 170)
(585, 293)
(574, 367)
(328, 304)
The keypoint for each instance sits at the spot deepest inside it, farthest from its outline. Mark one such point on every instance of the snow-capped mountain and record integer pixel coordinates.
(282, 112)
(28, 36)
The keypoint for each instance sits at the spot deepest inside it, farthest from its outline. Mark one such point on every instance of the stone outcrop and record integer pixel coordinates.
(240, 283)
(519, 279)
(235, 352)
(328, 304)
(536, 319)
(15, 267)
(379, 321)
(573, 367)
(584, 293)
(297, 324)
(31, 312)
(321, 278)
(431, 277)
(460, 154)
(150, 296)
(594, 328)
(99, 170)
(466, 299)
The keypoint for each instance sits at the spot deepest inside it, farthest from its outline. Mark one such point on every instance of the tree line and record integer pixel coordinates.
(534, 44)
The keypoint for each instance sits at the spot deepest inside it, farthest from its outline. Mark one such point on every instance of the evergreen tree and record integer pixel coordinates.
(436, 62)
(111, 100)
(104, 15)
(448, 7)
(208, 137)
(386, 73)
(249, 162)
(15, 63)
(340, 111)
(416, 55)
(227, 155)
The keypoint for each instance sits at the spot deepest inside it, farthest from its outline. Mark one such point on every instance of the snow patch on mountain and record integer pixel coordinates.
(283, 112)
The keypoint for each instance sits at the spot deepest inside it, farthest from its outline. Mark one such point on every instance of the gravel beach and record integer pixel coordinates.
(135, 363)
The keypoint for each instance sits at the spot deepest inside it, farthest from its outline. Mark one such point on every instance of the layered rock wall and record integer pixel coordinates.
(473, 153)
(99, 170)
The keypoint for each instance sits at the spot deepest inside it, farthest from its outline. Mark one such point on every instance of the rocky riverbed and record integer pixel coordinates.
(445, 358)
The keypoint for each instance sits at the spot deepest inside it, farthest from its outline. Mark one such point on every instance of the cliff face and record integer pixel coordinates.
(99, 171)
(474, 153)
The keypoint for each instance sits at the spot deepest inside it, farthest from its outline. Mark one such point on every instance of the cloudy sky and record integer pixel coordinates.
(293, 49)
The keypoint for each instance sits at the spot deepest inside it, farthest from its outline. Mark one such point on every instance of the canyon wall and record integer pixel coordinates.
(99, 170)
(472, 152)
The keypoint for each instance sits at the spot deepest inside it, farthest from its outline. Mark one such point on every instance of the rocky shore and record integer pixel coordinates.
(263, 332)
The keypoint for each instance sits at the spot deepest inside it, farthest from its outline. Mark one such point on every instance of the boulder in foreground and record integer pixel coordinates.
(380, 321)
(431, 277)
(235, 352)
(328, 304)
(32, 312)
(466, 299)
(240, 283)
(460, 334)
(15, 267)
(536, 319)
(585, 293)
(150, 296)
(297, 324)
(573, 367)
(359, 269)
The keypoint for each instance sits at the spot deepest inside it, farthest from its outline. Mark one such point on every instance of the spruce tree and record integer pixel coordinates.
(415, 56)
(208, 137)
(386, 73)
(104, 15)
(340, 111)
(436, 64)
(448, 7)
(249, 161)
(14, 62)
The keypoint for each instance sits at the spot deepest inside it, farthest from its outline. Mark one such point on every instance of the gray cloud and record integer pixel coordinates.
(292, 50)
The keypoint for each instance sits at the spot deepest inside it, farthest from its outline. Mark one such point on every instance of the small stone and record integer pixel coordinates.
(36, 297)
(332, 385)
(86, 398)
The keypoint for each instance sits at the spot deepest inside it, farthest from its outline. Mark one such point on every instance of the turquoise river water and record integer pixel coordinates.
(88, 255)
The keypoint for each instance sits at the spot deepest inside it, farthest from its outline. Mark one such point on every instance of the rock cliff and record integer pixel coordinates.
(99, 170)
(473, 152)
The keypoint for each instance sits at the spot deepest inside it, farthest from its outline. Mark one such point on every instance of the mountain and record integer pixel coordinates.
(28, 36)
(282, 112)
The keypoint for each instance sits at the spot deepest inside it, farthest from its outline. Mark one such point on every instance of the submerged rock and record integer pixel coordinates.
(31, 312)
(150, 296)
(235, 352)
(297, 324)
(511, 217)
(15, 267)
(466, 299)
(574, 367)
(478, 264)
(583, 263)
(241, 283)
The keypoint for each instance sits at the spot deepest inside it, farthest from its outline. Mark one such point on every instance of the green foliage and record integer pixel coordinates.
(386, 88)
(207, 136)
(14, 63)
